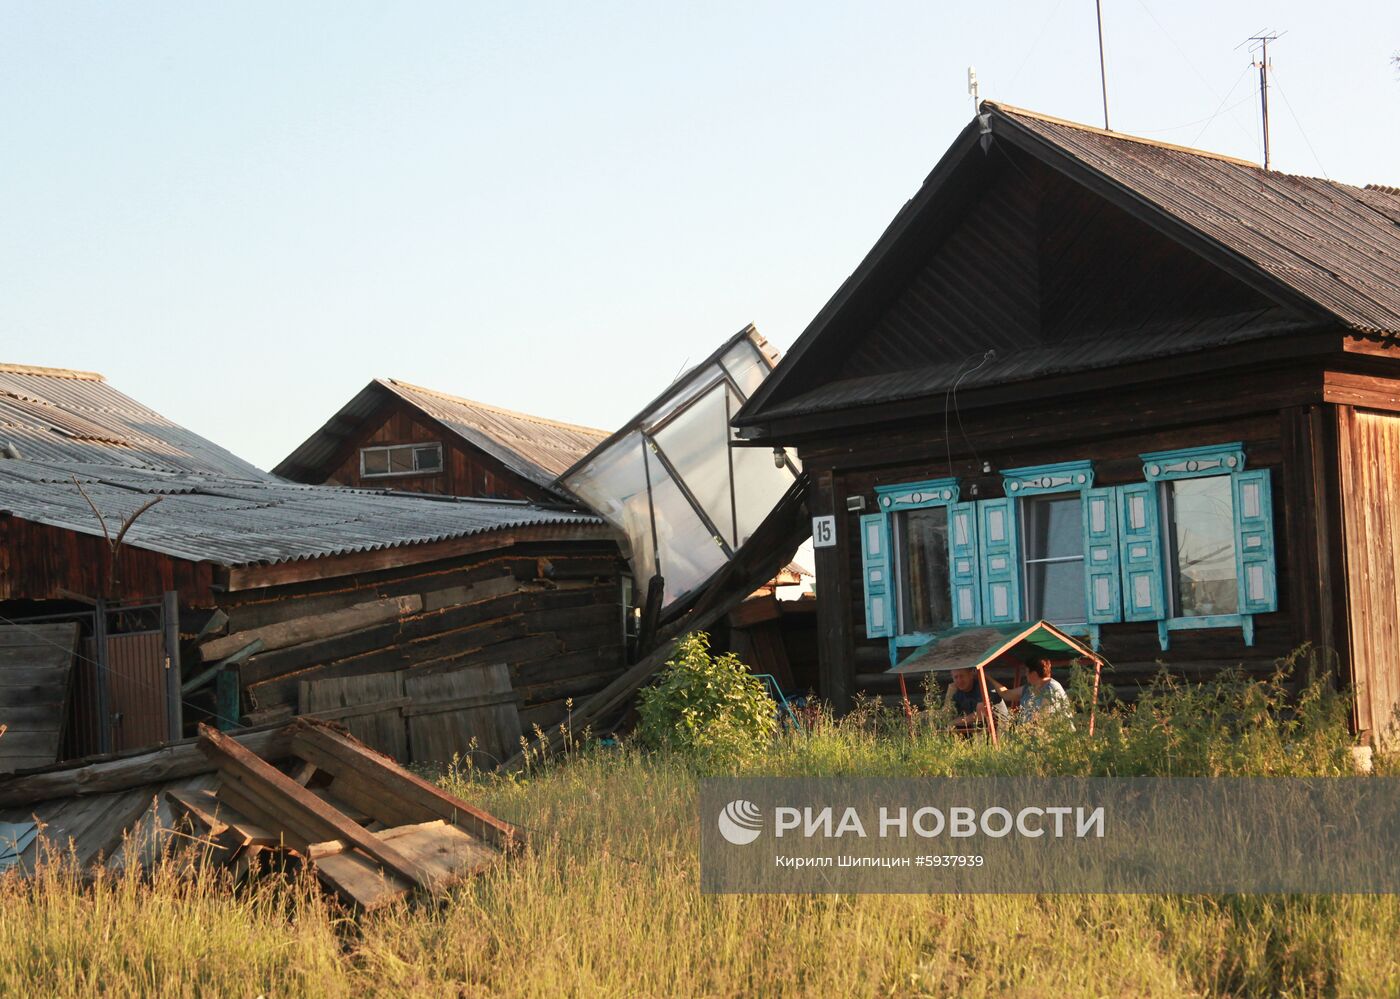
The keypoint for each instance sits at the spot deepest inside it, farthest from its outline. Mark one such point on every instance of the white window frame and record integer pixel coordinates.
(385, 448)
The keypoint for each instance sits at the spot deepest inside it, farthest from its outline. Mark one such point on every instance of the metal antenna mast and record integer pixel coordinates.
(972, 89)
(1262, 39)
(1103, 72)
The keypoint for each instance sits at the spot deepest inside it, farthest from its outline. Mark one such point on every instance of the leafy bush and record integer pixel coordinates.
(708, 707)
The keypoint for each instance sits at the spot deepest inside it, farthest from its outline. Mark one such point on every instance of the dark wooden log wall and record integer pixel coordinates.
(860, 463)
(466, 470)
(551, 612)
(39, 562)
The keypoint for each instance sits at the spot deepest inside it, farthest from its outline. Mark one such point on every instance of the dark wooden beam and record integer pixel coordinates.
(835, 670)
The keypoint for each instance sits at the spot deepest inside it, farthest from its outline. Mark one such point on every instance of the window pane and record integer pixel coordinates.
(1203, 546)
(614, 484)
(429, 459)
(687, 552)
(1053, 527)
(1055, 591)
(745, 366)
(400, 459)
(697, 443)
(1054, 546)
(925, 596)
(375, 461)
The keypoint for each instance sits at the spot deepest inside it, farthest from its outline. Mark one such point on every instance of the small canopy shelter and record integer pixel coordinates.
(1006, 644)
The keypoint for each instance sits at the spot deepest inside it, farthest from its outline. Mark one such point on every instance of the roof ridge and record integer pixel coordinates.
(397, 383)
(70, 373)
(1126, 137)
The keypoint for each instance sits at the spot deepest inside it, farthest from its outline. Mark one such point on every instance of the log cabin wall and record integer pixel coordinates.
(466, 471)
(552, 613)
(1268, 413)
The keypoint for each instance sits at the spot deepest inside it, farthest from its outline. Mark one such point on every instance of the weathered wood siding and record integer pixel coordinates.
(551, 613)
(466, 471)
(1370, 476)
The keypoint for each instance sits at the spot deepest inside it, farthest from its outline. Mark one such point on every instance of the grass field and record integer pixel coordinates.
(607, 901)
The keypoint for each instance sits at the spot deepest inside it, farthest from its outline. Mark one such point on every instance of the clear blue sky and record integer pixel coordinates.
(242, 212)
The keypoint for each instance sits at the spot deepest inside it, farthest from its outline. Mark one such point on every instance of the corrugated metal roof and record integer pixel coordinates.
(53, 414)
(239, 522)
(1328, 253)
(534, 448)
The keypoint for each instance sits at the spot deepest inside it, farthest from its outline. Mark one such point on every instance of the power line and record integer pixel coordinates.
(1301, 131)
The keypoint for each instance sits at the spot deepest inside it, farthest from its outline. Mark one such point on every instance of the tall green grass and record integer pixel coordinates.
(607, 900)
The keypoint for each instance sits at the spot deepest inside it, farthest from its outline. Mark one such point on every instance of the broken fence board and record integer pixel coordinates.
(370, 706)
(468, 712)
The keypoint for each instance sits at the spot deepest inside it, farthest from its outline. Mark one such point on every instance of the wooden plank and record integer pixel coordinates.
(200, 679)
(36, 670)
(833, 617)
(374, 704)
(342, 756)
(445, 851)
(309, 629)
(255, 577)
(296, 806)
(484, 590)
(468, 713)
(103, 776)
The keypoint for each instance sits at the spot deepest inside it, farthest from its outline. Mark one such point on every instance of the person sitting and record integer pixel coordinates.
(1040, 696)
(965, 696)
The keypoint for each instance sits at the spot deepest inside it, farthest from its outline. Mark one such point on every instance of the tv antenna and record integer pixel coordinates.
(1259, 42)
(972, 87)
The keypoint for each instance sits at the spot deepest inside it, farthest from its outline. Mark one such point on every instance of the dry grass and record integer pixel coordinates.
(608, 901)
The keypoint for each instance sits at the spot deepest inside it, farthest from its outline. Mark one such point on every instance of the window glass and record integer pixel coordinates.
(400, 460)
(1054, 550)
(687, 552)
(925, 594)
(696, 443)
(1201, 530)
(374, 461)
(614, 484)
(429, 459)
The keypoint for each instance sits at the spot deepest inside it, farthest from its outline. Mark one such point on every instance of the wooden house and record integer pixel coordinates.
(204, 589)
(1149, 393)
(401, 436)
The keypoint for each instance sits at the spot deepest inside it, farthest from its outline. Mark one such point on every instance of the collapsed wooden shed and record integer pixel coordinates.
(1149, 393)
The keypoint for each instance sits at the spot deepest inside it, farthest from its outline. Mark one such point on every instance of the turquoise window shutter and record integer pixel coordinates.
(1140, 552)
(1254, 541)
(996, 539)
(875, 558)
(962, 564)
(1102, 596)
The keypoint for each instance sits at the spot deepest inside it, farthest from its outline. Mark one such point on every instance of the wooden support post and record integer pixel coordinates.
(1094, 702)
(170, 629)
(651, 616)
(834, 645)
(987, 703)
(908, 708)
(104, 701)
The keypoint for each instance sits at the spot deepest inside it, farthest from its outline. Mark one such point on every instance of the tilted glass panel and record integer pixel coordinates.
(1054, 554)
(745, 366)
(1202, 522)
(614, 485)
(687, 553)
(925, 592)
(696, 443)
(758, 486)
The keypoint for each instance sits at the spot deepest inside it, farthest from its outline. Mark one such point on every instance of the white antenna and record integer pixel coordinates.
(972, 87)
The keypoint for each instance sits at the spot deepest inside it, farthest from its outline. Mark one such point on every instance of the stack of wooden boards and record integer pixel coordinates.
(555, 621)
(36, 668)
(372, 831)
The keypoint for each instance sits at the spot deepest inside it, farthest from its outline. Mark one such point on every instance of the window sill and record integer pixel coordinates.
(1245, 622)
(400, 475)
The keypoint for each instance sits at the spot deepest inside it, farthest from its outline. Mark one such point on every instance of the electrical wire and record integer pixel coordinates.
(1301, 131)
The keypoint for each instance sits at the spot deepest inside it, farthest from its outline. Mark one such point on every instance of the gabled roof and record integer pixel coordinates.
(1326, 254)
(54, 414)
(534, 448)
(239, 522)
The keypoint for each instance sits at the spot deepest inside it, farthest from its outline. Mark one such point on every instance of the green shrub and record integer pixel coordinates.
(708, 707)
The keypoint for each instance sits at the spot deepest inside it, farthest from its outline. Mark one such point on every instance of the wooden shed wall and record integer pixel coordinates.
(551, 612)
(1370, 478)
(466, 471)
